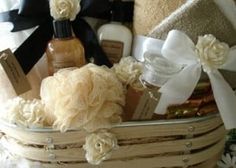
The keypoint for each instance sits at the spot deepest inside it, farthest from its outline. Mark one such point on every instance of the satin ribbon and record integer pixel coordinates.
(28, 16)
(179, 48)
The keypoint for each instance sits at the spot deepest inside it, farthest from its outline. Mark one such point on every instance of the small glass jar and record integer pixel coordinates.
(157, 71)
(142, 103)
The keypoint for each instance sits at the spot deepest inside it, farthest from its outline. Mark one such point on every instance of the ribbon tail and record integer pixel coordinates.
(231, 60)
(102, 9)
(32, 49)
(95, 8)
(20, 22)
(225, 99)
(179, 88)
(91, 45)
(8, 16)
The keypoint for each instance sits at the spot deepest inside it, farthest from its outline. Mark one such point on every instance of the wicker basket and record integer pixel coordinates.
(195, 142)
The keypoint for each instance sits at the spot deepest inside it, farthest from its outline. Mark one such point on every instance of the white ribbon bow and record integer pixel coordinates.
(180, 49)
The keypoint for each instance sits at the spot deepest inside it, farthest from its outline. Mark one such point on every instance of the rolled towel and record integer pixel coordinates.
(149, 13)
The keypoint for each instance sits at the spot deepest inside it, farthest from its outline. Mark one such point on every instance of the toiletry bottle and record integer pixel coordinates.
(115, 38)
(64, 50)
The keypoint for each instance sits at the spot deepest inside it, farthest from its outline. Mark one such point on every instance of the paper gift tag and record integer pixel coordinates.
(14, 72)
(146, 105)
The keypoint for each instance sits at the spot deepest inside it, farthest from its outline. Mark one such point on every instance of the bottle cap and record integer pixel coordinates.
(62, 28)
(117, 11)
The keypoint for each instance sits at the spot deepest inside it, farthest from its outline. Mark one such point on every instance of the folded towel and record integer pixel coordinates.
(199, 17)
(149, 13)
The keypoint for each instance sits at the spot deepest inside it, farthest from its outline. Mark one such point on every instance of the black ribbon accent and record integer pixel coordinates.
(32, 49)
(29, 16)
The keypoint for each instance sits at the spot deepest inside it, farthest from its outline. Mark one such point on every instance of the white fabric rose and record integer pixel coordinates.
(64, 9)
(99, 146)
(212, 52)
(28, 113)
(128, 71)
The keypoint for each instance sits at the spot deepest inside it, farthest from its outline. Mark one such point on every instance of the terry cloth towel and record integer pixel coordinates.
(149, 13)
(199, 17)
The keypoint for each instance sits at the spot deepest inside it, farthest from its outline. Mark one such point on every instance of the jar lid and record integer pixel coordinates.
(157, 69)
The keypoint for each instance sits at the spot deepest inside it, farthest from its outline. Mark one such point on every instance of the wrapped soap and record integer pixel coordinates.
(149, 13)
(200, 103)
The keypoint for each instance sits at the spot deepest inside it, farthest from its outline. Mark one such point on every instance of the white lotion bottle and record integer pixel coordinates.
(115, 38)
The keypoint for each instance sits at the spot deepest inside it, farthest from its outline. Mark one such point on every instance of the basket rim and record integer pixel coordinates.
(123, 124)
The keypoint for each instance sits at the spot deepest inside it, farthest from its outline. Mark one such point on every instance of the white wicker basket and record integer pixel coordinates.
(193, 142)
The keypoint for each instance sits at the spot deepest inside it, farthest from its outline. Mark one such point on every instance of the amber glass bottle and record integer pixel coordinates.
(64, 50)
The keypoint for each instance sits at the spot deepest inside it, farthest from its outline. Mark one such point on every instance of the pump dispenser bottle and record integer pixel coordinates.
(115, 38)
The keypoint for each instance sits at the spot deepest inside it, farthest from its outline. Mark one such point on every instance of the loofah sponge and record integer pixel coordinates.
(90, 97)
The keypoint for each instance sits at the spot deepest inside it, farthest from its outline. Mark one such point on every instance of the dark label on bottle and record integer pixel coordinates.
(113, 49)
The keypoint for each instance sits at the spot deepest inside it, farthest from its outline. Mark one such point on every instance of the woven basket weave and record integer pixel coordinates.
(193, 142)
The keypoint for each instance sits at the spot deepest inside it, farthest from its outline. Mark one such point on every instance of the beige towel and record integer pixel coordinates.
(198, 17)
(149, 13)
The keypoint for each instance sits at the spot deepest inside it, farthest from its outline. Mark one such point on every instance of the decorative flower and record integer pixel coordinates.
(128, 71)
(64, 9)
(212, 52)
(29, 113)
(227, 161)
(99, 146)
(90, 97)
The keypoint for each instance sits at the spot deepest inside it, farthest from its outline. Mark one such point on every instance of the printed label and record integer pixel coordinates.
(146, 105)
(14, 72)
(113, 49)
